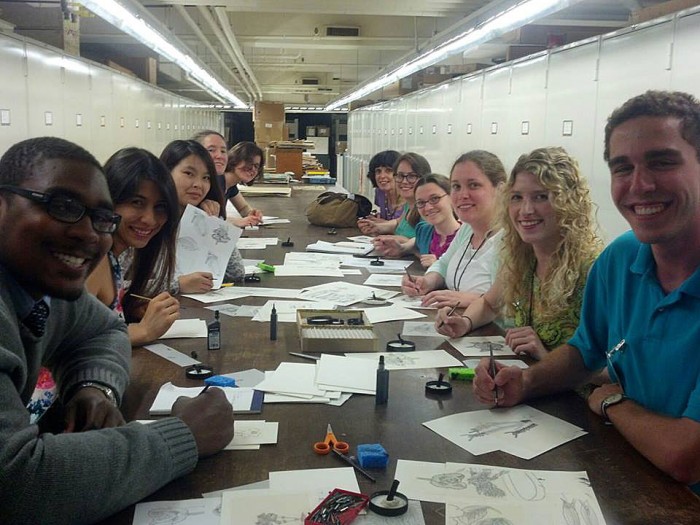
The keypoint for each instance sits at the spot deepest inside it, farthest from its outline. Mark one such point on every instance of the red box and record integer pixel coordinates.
(360, 502)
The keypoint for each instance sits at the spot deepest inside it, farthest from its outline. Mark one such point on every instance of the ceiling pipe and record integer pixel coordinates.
(228, 30)
(224, 42)
(193, 25)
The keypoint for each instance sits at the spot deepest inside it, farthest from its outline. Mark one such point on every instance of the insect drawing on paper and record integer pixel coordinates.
(270, 518)
(199, 222)
(170, 516)
(578, 512)
(514, 428)
(525, 486)
(187, 243)
(399, 360)
(475, 515)
(485, 347)
(220, 235)
(248, 433)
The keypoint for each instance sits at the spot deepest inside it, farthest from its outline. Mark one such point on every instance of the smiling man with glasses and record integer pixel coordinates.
(57, 220)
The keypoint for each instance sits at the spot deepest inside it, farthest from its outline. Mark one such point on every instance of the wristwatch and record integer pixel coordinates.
(107, 391)
(609, 401)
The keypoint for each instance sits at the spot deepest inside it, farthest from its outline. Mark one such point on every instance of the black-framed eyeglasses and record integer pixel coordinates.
(420, 204)
(410, 177)
(68, 209)
(250, 168)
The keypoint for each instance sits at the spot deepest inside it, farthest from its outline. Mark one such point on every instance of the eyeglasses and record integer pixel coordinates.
(250, 168)
(432, 200)
(69, 210)
(410, 177)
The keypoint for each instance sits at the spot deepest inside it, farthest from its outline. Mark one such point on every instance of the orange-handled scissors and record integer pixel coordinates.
(324, 447)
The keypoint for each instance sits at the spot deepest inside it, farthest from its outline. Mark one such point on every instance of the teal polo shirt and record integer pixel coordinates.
(658, 365)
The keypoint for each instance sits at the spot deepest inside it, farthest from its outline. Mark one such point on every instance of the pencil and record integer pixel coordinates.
(142, 297)
(449, 314)
(410, 277)
(204, 389)
(492, 373)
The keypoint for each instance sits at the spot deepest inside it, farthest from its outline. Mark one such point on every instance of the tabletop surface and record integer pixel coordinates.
(629, 489)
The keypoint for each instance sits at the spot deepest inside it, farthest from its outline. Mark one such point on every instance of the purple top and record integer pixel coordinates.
(385, 212)
(436, 247)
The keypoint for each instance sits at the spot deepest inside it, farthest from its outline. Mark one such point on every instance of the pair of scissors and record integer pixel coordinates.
(324, 447)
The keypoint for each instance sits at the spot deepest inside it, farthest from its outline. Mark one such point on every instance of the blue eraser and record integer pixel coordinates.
(220, 381)
(372, 456)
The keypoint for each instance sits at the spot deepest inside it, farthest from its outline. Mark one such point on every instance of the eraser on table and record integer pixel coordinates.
(220, 381)
(372, 456)
(463, 373)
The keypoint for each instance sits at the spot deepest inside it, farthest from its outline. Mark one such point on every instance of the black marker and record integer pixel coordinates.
(273, 324)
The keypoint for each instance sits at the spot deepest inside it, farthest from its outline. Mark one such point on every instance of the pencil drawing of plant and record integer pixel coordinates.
(515, 428)
(220, 235)
(187, 243)
(476, 515)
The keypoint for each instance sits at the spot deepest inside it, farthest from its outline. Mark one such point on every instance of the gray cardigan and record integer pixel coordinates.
(81, 477)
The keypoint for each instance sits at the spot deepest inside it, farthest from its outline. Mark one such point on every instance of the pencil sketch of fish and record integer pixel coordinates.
(187, 243)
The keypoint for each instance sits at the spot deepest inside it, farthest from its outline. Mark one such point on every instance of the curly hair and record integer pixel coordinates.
(579, 244)
(675, 104)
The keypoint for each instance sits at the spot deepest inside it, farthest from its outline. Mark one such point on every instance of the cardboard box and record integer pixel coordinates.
(269, 131)
(289, 159)
(336, 338)
(323, 131)
(268, 112)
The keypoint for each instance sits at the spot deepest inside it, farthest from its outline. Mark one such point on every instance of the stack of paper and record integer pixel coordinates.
(354, 248)
(244, 400)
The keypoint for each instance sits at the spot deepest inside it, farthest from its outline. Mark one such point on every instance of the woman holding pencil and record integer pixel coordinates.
(468, 267)
(142, 258)
(549, 244)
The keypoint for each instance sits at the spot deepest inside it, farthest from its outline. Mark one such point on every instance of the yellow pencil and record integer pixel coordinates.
(226, 285)
(142, 297)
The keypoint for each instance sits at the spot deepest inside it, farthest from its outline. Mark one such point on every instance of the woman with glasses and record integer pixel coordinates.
(142, 258)
(193, 172)
(435, 232)
(468, 267)
(381, 175)
(549, 244)
(408, 169)
(245, 163)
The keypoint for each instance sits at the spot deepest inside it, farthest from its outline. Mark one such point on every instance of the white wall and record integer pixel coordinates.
(580, 84)
(45, 92)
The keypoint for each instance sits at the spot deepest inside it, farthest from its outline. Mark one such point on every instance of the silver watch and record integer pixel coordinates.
(107, 391)
(609, 401)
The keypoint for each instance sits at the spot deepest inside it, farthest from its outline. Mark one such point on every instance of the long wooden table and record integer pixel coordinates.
(629, 489)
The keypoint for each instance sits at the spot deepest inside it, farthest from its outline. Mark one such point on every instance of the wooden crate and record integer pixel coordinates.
(335, 339)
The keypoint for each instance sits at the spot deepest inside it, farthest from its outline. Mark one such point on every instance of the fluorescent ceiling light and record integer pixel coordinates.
(126, 21)
(515, 16)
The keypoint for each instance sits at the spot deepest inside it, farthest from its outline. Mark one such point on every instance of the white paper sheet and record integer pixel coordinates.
(343, 293)
(293, 378)
(234, 310)
(410, 360)
(381, 314)
(186, 328)
(204, 244)
(265, 506)
(298, 270)
(171, 354)
(335, 372)
(352, 248)
(384, 279)
(420, 329)
(500, 494)
(522, 431)
(237, 292)
(325, 260)
(201, 511)
(240, 398)
(479, 346)
(253, 432)
(318, 482)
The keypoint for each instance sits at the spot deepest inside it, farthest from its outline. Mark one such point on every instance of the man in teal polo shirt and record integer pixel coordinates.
(641, 309)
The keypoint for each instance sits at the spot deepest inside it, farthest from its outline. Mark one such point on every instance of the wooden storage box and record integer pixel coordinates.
(333, 338)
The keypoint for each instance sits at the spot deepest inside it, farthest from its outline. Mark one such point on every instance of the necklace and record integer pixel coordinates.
(532, 293)
(458, 281)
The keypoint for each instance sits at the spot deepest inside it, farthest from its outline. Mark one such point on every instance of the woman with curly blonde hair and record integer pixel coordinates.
(549, 244)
